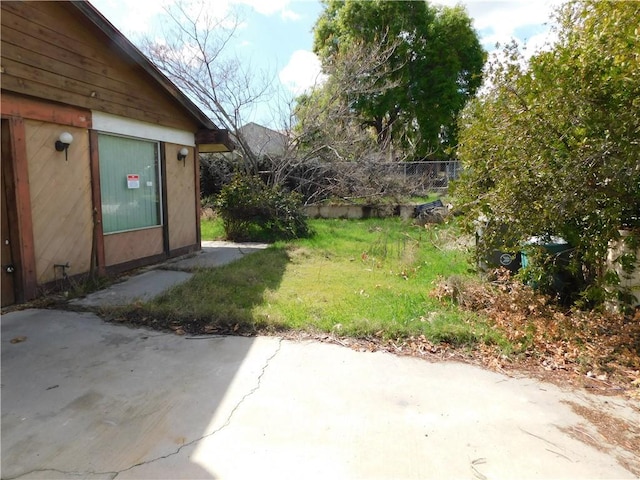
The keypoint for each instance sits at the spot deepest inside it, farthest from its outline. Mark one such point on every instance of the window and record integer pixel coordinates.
(129, 183)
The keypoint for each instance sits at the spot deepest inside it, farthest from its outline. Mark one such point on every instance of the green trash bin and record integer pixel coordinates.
(559, 250)
(556, 246)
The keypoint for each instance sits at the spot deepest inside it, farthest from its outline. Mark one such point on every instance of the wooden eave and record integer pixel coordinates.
(129, 49)
(214, 140)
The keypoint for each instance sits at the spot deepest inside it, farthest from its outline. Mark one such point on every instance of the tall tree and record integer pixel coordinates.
(552, 147)
(435, 66)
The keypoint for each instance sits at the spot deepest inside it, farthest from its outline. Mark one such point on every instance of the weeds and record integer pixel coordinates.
(212, 229)
(353, 278)
(386, 284)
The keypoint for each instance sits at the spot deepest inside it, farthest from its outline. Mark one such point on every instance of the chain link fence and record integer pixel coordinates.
(418, 177)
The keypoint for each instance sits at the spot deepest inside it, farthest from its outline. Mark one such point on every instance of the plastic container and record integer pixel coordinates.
(556, 246)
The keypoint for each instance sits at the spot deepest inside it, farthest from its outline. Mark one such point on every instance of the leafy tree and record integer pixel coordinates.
(327, 125)
(551, 148)
(433, 64)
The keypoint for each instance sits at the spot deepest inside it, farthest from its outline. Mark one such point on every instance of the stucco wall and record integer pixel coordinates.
(60, 192)
(181, 200)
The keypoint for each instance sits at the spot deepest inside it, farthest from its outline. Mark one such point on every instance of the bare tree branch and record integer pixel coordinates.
(195, 56)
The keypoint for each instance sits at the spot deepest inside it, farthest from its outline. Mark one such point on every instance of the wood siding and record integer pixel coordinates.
(25, 107)
(129, 246)
(58, 69)
(60, 193)
(78, 65)
(181, 215)
(16, 210)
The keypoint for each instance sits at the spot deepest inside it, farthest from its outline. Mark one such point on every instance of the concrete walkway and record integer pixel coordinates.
(155, 280)
(82, 398)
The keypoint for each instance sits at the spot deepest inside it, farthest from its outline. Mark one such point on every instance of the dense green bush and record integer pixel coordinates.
(251, 210)
(550, 148)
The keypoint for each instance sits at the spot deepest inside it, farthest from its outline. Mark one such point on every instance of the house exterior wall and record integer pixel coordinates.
(179, 232)
(49, 198)
(60, 193)
(17, 232)
(49, 52)
(63, 193)
(76, 79)
(182, 212)
(124, 248)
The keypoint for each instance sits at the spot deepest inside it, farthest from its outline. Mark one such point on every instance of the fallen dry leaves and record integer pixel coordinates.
(602, 349)
(599, 351)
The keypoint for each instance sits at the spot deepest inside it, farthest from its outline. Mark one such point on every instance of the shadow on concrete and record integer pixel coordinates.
(85, 398)
(214, 254)
(81, 397)
(215, 300)
(153, 281)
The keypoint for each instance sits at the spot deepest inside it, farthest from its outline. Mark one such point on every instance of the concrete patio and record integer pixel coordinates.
(82, 398)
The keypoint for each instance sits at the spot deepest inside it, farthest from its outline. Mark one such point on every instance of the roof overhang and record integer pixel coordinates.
(214, 141)
(95, 17)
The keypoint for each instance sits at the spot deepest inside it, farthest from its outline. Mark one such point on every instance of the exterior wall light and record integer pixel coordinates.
(63, 142)
(182, 155)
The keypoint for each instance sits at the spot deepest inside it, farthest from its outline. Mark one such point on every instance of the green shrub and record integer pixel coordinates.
(251, 210)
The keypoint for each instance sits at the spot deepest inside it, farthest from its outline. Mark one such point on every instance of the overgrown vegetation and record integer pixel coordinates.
(364, 279)
(600, 345)
(251, 210)
(211, 227)
(367, 179)
(551, 147)
(385, 284)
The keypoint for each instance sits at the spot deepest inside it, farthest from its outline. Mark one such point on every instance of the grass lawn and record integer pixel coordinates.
(359, 278)
(374, 283)
(211, 229)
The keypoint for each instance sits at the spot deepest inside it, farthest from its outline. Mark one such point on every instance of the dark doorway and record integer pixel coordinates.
(8, 265)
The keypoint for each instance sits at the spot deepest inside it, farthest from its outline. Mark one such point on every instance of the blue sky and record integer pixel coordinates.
(276, 35)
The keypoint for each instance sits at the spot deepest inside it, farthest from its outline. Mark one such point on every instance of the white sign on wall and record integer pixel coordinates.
(133, 180)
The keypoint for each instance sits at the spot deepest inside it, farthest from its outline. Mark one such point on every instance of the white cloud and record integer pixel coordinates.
(500, 21)
(302, 72)
(271, 7)
(144, 17)
(132, 17)
(224, 15)
(287, 14)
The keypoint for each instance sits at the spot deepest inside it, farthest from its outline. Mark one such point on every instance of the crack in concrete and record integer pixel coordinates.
(224, 425)
(63, 472)
(179, 449)
(251, 392)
